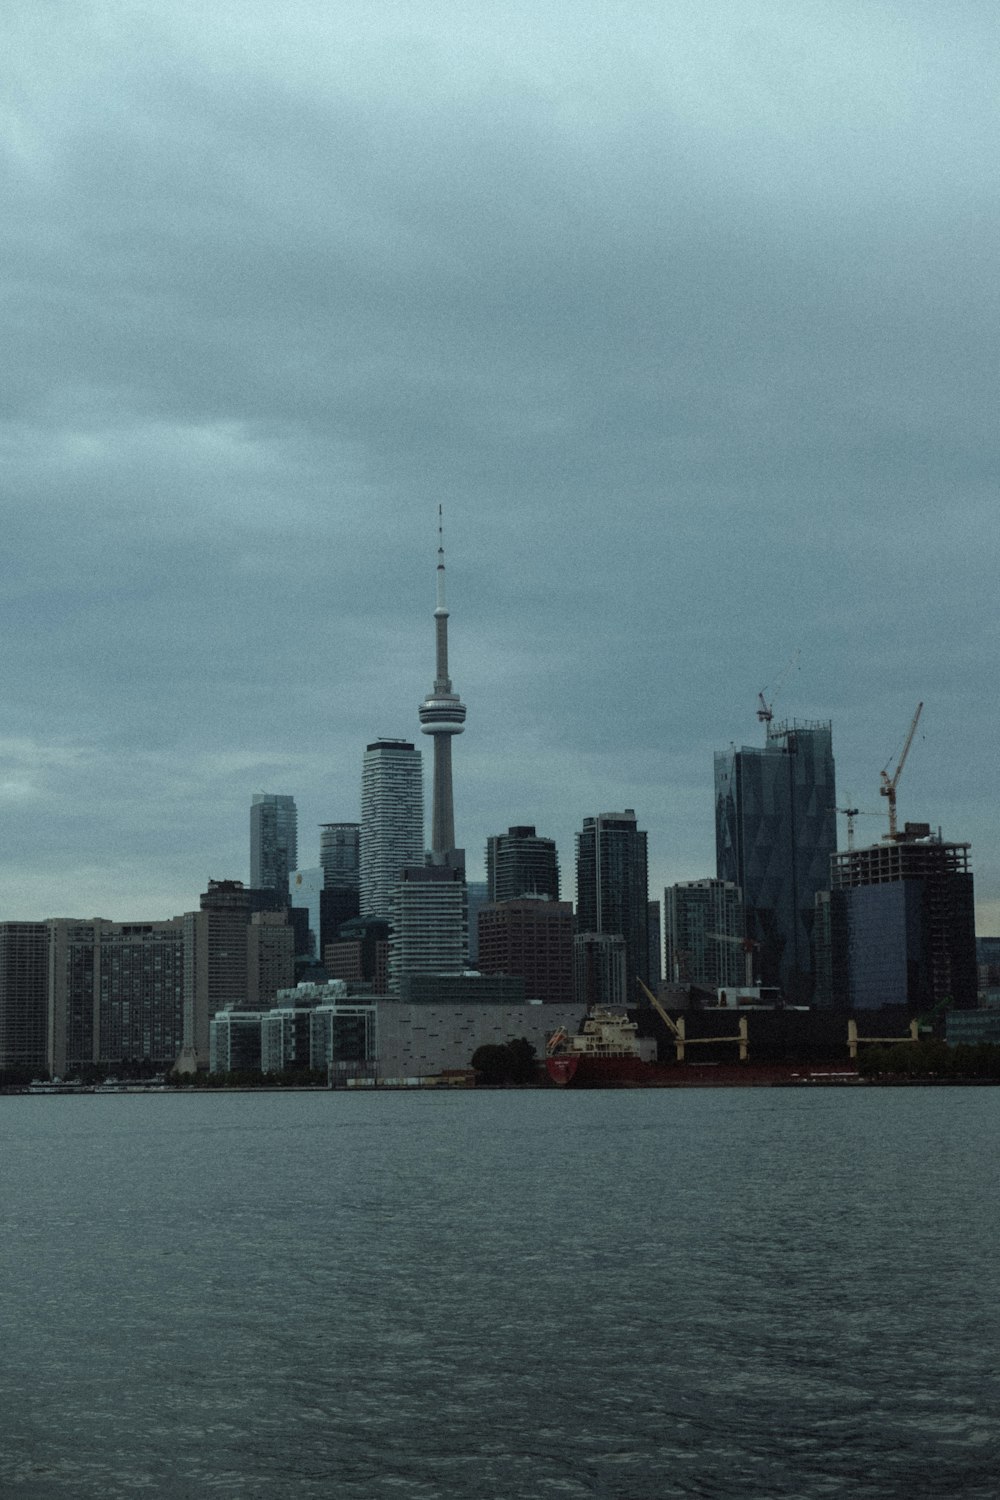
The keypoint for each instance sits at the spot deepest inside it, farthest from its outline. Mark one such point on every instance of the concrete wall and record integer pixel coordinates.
(414, 1040)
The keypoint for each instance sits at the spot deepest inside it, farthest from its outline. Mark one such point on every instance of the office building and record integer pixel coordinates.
(655, 931)
(600, 970)
(270, 957)
(520, 863)
(476, 897)
(360, 956)
(220, 942)
(392, 821)
(340, 898)
(533, 939)
(903, 924)
(428, 923)
(612, 887)
(775, 832)
(24, 996)
(340, 855)
(343, 1040)
(234, 1041)
(116, 993)
(704, 934)
(274, 849)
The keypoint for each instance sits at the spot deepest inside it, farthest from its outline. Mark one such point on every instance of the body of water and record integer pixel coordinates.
(726, 1293)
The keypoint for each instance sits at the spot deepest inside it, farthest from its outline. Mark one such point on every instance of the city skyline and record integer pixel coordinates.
(691, 339)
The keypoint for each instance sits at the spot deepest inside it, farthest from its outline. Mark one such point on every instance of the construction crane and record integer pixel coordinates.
(890, 783)
(850, 813)
(765, 710)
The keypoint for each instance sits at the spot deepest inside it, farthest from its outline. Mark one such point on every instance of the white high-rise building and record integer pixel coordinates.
(392, 821)
(429, 923)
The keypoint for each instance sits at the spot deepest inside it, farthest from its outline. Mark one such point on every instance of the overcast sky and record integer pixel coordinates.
(685, 312)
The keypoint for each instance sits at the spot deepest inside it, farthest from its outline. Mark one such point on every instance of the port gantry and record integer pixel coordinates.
(682, 1041)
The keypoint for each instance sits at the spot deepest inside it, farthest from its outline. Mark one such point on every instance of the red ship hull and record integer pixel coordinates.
(582, 1071)
(562, 1068)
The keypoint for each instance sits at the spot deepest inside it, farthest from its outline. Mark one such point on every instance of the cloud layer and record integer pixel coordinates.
(686, 315)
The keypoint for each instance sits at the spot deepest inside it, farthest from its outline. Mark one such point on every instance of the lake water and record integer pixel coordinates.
(725, 1293)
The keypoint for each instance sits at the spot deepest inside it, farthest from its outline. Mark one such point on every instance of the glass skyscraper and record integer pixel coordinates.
(520, 863)
(612, 887)
(775, 831)
(274, 842)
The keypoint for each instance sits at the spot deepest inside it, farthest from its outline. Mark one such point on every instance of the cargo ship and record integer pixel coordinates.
(605, 1053)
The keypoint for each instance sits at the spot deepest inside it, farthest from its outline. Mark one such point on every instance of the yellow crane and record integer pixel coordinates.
(890, 783)
(682, 1040)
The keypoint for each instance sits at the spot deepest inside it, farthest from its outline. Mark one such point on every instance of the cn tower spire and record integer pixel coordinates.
(442, 715)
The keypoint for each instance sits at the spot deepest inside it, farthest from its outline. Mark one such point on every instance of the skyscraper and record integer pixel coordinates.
(392, 821)
(532, 938)
(775, 830)
(612, 887)
(428, 923)
(339, 856)
(24, 995)
(116, 992)
(274, 849)
(902, 924)
(704, 934)
(442, 715)
(519, 863)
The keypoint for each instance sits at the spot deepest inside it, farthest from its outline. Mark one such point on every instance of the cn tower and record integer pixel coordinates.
(442, 714)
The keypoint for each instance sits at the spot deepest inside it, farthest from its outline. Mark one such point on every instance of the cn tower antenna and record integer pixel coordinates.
(442, 715)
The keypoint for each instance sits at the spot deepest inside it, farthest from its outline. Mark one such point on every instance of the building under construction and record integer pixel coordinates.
(902, 924)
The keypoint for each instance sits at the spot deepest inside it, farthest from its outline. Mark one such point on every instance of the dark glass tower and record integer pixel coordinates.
(612, 887)
(273, 841)
(519, 863)
(775, 830)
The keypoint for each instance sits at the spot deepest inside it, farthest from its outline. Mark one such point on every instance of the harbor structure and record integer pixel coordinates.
(775, 833)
